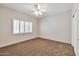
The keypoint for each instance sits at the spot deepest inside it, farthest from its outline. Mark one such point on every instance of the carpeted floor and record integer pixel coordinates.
(38, 47)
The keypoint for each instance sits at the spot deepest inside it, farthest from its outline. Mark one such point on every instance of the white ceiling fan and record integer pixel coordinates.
(38, 10)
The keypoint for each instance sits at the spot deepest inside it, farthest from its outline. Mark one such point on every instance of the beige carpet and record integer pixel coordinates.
(38, 47)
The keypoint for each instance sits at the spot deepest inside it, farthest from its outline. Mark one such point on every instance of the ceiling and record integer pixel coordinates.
(52, 8)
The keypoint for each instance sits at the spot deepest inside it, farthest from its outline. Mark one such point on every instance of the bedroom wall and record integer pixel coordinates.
(6, 36)
(57, 27)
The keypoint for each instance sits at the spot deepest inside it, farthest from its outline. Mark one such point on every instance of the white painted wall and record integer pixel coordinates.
(57, 27)
(6, 16)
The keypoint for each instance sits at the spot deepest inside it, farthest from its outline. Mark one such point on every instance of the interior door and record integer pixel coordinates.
(74, 29)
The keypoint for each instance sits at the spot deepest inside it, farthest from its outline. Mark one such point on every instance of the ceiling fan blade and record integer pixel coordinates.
(43, 10)
(34, 9)
(38, 6)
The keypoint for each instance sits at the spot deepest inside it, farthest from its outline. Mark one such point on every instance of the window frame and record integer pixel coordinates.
(19, 27)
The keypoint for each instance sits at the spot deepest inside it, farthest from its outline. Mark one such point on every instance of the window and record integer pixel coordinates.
(26, 27)
(21, 26)
(15, 26)
(30, 26)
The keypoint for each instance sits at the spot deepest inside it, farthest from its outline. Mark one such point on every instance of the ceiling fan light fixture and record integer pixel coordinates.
(37, 10)
(37, 13)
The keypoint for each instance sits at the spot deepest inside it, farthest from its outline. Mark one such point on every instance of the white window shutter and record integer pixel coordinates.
(15, 26)
(30, 26)
(21, 26)
(26, 27)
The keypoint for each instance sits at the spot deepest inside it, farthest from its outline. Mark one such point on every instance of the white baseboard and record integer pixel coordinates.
(52, 38)
(46, 37)
(8, 44)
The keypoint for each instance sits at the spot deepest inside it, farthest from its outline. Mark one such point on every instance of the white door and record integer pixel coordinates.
(77, 40)
(74, 30)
